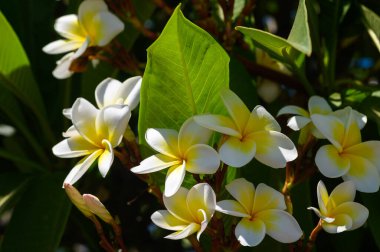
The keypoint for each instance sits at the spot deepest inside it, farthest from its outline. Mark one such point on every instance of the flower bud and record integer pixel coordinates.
(77, 199)
(95, 206)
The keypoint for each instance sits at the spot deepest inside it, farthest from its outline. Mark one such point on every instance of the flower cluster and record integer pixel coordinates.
(94, 25)
(96, 132)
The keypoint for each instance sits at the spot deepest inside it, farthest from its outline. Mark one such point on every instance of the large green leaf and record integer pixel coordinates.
(372, 22)
(16, 75)
(299, 37)
(40, 217)
(185, 72)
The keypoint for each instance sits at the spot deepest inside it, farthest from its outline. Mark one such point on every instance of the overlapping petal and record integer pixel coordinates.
(174, 178)
(243, 191)
(192, 133)
(344, 192)
(61, 46)
(104, 27)
(369, 150)
(261, 120)
(164, 141)
(331, 127)
(342, 223)
(177, 205)
(166, 220)
(232, 207)
(75, 146)
(155, 163)
(106, 158)
(274, 148)
(298, 122)
(267, 198)
(322, 196)
(236, 152)
(218, 123)
(202, 159)
(331, 163)
(201, 197)
(189, 230)
(291, 109)
(68, 27)
(280, 225)
(357, 212)
(62, 70)
(318, 105)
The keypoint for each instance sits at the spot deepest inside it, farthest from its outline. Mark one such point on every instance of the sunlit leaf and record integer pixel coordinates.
(185, 71)
(372, 22)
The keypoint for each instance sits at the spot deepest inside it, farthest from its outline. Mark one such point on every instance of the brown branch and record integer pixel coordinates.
(313, 236)
(104, 243)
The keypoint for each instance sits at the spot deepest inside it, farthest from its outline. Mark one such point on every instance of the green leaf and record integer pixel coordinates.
(40, 217)
(11, 186)
(16, 75)
(371, 202)
(299, 37)
(238, 8)
(185, 72)
(372, 22)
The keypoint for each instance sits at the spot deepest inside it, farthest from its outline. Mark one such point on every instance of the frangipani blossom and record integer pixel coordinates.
(94, 134)
(338, 212)
(113, 92)
(181, 152)
(316, 105)
(347, 156)
(262, 211)
(188, 211)
(95, 25)
(249, 134)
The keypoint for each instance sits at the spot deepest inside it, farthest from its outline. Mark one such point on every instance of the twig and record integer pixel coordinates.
(313, 236)
(103, 240)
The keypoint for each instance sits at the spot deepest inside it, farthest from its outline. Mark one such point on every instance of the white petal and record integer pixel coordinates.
(174, 179)
(321, 216)
(236, 152)
(322, 196)
(297, 122)
(231, 207)
(369, 150)
(250, 232)
(81, 167)
(62, 70)
(202, 159)
(106, 159)
(177, 205)
(61, 46)
(243, 191)
(295, 110)
(189, 230)
(68, 27)
(103, 27)
(364, 174)
(164, 141)
(204, 223)
(133, 95)
(192, 133)
(331, 128)
(88, 9)
(155, 163)
(84, 117)
(280, 225)
(267, 198)
(111, 123)
(274, 148)
(106, 93)
(67, 113)
(218, 123)
(236, 108)
(201, 197)
(75, 146)
(260, 120)
(82, 48)
(330, 163)
(164, 219)
(357, 212)
(318, 105)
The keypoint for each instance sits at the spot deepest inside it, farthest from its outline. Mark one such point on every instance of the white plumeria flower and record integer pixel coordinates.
(316, 105)
(347, 157)
(95, 25)
(113, 92)
(188, 211)
(262, 211)
(338, 212)
(181, 152)
(249, 135)
(94, 134)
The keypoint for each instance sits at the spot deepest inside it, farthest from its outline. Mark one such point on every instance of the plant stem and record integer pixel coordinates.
(106, 245)
(313, 236)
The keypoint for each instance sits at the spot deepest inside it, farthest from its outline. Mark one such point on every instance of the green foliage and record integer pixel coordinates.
(185, 71)
(372, 22)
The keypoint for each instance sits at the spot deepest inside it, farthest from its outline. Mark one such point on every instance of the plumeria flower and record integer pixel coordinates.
(347, 156)
(113, 92)
(262, 211)
(338, 212)
(181, 152)
(249, 135)
(316, 105)
(188, 211)
(94, 134)
(95, 25)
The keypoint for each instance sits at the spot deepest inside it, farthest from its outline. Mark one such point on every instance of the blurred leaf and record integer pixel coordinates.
(22, 161)
(185, 72)
(238, 7)
(16, 75)
(11, 186)
(371, 107)
(299, 37)
(372, 22)
(39, 219)
(371, 201)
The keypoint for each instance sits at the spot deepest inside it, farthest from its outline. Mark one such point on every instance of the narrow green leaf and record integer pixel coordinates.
(372, 22)
(185, 72)
(40, 217)
(299, 37)
(11, 186)
(238, 8)
(16, 75)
